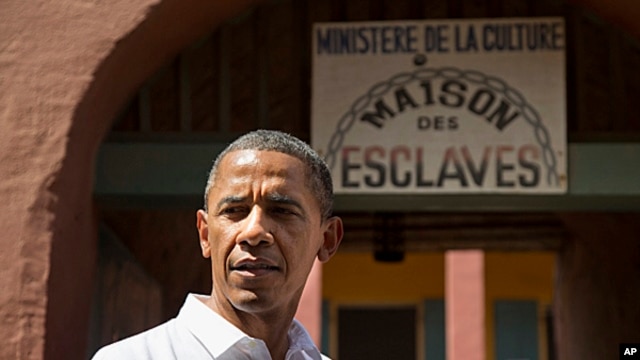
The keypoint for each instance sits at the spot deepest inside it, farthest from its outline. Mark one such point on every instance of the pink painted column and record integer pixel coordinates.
(464, 305)
(310, 309)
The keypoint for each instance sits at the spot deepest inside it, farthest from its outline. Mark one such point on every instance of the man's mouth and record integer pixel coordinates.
(254, 267)
(248, 266)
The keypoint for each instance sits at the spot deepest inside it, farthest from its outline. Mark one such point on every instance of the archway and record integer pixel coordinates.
(145, 37)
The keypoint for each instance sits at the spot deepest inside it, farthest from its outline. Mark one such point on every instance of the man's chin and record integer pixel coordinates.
(250, 301)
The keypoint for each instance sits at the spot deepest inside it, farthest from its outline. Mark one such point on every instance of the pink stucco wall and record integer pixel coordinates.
(66, 67)
(47, 63)
(310, 309)
(464, 305)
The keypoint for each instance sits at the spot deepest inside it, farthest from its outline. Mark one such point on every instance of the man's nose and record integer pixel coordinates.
(256, 228)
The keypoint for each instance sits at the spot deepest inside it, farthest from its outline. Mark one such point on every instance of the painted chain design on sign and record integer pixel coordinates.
(495, 84)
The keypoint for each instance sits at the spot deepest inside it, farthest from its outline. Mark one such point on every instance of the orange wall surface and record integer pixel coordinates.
(355, 278)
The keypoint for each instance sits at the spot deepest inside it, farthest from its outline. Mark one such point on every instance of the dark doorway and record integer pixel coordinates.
(377, 333)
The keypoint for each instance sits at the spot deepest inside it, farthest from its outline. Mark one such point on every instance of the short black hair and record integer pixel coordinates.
(318, 175)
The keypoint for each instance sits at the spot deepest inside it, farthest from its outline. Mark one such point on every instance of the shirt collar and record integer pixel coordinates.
(218, 335)
(212, 330)
(299, 338)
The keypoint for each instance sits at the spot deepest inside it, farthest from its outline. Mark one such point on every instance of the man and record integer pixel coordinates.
(267, 217)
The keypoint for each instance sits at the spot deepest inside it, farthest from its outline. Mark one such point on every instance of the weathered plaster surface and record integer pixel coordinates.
(49, 51)
(66, 67)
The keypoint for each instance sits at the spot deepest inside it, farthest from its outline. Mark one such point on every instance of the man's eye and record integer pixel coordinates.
(283, 211)
(233, 210)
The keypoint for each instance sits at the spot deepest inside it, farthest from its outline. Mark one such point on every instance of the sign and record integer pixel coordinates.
(447, 106)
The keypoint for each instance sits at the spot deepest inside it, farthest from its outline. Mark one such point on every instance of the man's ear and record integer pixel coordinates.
(332, 237)
(203, 233)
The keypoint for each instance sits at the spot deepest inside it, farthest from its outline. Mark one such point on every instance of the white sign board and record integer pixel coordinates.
(447, 106)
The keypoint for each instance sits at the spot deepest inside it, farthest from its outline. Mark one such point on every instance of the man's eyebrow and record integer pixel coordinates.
(284, 199)
(231, 199)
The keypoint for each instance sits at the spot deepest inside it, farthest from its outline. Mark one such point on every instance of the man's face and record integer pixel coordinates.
(263, 231)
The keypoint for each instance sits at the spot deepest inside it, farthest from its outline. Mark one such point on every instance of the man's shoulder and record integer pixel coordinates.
(145, 345)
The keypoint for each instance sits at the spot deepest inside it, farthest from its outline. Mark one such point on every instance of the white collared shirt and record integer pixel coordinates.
(200, 333)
